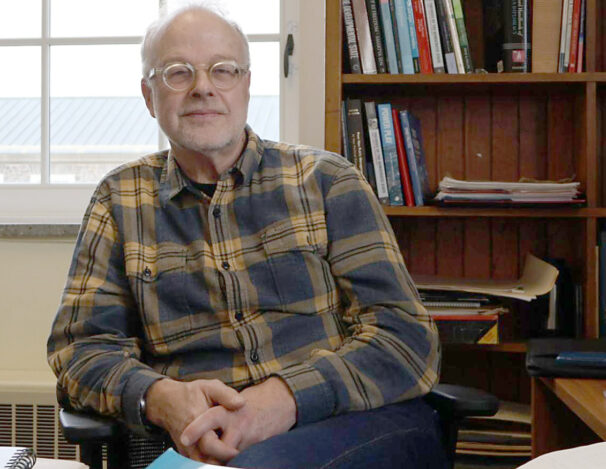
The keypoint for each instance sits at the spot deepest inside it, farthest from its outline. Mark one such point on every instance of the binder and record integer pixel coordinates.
(16, 457)
(542, 357)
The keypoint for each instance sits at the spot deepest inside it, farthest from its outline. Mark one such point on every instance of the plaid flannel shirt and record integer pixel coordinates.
(291, 269)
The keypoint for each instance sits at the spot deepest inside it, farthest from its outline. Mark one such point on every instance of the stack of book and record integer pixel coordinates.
(406, 36)
(504, 436)
(386, 145)
(500, 193)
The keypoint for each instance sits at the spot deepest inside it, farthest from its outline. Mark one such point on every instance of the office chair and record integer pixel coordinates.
(126, 451)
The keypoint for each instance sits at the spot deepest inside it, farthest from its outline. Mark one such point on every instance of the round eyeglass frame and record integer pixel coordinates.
(162, 71)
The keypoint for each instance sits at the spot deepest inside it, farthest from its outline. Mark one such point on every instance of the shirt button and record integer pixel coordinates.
(216, 212)
(239, 316)
(147, 272)
(225, 265)
(254, 357)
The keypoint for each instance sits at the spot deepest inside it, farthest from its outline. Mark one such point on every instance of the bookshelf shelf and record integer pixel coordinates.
(494, 126)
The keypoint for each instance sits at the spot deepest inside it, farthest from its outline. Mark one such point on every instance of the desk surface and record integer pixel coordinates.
(585, 397)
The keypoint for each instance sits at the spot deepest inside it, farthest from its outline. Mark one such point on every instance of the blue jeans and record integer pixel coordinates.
(404, 435)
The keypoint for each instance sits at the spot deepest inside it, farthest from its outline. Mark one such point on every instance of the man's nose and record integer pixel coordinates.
(201, 83)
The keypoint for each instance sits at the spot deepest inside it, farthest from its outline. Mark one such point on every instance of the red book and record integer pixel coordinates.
(422, 37)
(574, 36)
(409, 197)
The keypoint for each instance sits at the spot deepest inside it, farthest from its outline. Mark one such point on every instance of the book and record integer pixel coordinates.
(462, 31)
(422, 37)
(447, 48)
(409, 197)
(574, 35)
(355, 127)
(396, 34)
(413, 141)
(581, 48)
(412, 34)
(433, 30)
(374, 138)
(365, 47)
(390, 154)
(350, 37)
(345, 133)
(546, 19)
(492, 25)
(388, 37)
(374, 21)
(516, 40)
(563, 35)
(170, 459)
(17, 457)
(569, 11)
(454, 34)
(401, 15)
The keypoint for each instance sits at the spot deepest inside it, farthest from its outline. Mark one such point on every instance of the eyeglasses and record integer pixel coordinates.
(181, 76)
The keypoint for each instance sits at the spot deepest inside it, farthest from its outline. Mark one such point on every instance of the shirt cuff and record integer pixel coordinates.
(136, 387)
(314, 397)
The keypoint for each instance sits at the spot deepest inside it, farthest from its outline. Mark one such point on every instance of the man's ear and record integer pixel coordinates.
(147, 94)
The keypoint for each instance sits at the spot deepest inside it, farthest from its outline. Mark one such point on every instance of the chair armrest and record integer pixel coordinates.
(79, 427)
(458, 402)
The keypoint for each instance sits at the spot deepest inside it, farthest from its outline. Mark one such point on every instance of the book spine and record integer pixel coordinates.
(367, 55)
(374, 138)
(419, 154)
(390, 155)
(345, 133)
(563, 35)
(374, 21)
(412, 161)
(581, 49)
(403, 36)
(515, 32)
(355, 127)
(452, 26)
(449, 57)
(434, 36)
(412, 34)
(422, 37)
(390, 45)
(409, 197)
(574, 36)
(350, 36)
(462, 30)
(568, 35)
(396, 35)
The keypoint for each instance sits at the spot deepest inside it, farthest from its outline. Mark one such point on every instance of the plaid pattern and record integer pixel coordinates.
(291, 269)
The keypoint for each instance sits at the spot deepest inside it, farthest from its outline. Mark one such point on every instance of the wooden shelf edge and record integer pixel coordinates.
(432, 211)
(511, 347)
(488, 78)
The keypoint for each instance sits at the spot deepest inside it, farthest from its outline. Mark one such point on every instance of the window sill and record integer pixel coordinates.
(33, 231)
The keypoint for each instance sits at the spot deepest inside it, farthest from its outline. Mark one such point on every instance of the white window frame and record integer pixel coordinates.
(46, 203)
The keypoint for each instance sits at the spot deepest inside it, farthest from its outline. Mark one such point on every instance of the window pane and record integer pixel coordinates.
(264, 108)
(71, 18)
(98, 116)
(21, 18)
(20, 115)
(255, 17)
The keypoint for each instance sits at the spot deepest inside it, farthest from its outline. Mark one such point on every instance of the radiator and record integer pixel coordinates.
(29, 416)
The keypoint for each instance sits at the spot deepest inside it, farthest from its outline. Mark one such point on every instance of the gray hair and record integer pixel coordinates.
(160, 25)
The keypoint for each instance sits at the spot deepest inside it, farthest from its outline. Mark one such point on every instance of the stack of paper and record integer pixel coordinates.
(511, 193)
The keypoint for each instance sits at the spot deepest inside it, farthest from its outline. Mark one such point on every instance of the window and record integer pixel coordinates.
(70, 102)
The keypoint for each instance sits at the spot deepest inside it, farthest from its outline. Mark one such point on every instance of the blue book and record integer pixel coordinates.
(412, 34)
(413, 141)
(390, 154)
(388, 37)
(593, 359)
(404, 36)
(170, 459)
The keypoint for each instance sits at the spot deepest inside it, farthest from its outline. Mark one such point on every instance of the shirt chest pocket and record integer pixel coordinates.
(157, 280)
(300, 272)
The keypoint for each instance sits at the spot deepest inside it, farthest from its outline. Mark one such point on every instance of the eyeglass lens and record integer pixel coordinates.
(181, 76)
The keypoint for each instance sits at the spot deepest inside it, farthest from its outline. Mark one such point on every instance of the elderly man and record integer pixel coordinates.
(247, 297)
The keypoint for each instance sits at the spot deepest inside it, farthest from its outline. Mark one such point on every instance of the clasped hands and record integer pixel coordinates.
(212, 423)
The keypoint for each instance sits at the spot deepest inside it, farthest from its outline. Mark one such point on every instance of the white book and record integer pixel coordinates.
(456, 45)
(374, 135)
(434, 36)
(563, 35)
(568, 34)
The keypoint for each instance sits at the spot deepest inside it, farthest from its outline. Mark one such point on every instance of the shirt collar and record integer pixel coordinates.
(173, 181)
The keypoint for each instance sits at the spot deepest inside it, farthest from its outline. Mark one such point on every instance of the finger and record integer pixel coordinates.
(232, 437)
(212, 419)
(222, 394)
(213, 448)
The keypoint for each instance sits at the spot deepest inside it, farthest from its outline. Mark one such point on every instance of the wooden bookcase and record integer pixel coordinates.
(498, 127)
